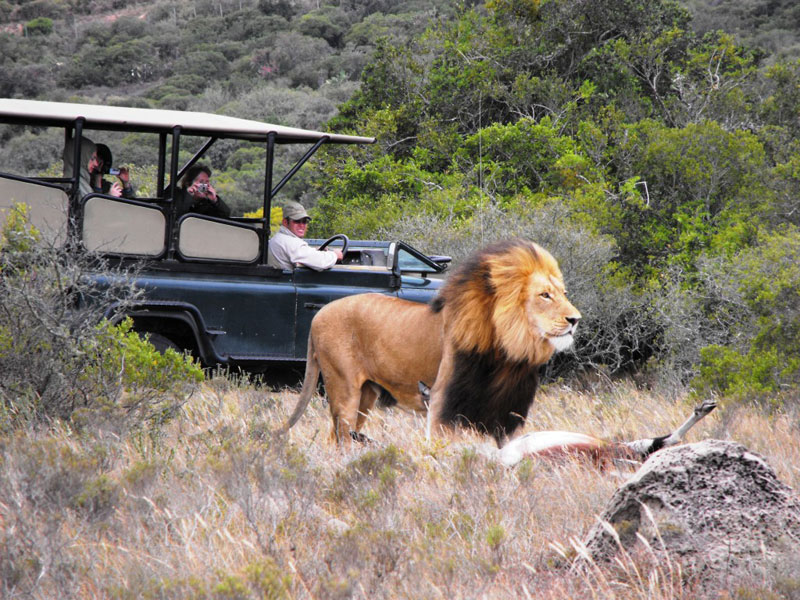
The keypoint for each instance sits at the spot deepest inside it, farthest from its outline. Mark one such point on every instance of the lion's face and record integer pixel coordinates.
(550, 314)
(531, 315)
(505, 312)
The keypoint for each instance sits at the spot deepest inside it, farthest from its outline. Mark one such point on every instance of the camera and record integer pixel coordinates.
(202, 188)
(113, 171)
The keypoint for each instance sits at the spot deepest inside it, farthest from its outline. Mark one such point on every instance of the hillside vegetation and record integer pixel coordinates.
(655, 157)
(282, 61)
(650, 146)
(773, 25)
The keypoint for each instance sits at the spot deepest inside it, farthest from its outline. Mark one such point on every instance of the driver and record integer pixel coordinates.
(287, 248)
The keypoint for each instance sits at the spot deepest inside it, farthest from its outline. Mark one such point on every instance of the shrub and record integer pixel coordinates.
(39, 26)
(130, 380)
(275, 217)
(59, 358)
(755, 374)
(761, 357)
(370, 483)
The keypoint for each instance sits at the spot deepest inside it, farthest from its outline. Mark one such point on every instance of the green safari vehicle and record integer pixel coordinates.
(208, 287)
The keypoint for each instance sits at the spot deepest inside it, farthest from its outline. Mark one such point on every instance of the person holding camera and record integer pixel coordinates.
(100, 164)
(197, 195)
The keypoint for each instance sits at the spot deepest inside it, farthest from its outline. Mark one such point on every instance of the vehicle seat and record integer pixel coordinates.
(202, 238)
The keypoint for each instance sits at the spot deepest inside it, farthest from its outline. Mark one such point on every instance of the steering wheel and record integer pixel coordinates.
(333, 238)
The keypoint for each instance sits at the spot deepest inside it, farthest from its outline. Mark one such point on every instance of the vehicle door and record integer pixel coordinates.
(420, 276)
(250, 308)
(315, 289)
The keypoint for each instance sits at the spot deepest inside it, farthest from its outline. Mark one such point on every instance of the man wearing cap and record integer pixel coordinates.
(287, 248)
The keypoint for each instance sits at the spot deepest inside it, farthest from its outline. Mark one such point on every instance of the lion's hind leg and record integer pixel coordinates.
(348, 419)
(345, 403)
(370, 392)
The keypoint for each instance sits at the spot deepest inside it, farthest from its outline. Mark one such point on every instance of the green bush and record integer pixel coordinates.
(762, 356)
(130, 380)
(754, 375)
(59, 359)
(39, 26)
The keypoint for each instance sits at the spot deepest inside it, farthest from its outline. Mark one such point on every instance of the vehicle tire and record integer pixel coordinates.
(161, 342)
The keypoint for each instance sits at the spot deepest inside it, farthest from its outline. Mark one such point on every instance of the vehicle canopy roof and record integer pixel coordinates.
(121, 118)
(172, 125)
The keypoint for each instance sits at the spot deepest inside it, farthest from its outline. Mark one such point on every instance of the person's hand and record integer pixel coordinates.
(339, 255)
(210, 193)
(115, 190)
(125, 177)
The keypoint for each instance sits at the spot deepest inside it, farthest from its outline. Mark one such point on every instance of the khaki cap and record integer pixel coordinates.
(294, 211)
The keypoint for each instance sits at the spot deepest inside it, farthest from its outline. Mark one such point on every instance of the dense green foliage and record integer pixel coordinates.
(679, 148)
(762, 356)
(655, 154)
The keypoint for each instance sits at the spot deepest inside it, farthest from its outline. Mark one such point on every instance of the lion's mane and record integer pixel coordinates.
(497, 354)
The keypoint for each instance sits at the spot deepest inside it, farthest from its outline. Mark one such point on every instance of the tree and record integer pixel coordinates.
(39, 26)
(329, 23)
(762, 357)
(301, 58)
(706, 189)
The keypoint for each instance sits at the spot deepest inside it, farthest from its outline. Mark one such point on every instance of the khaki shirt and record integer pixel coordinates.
(290, 250)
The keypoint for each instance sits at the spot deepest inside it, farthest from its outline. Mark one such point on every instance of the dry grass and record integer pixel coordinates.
(217, 507)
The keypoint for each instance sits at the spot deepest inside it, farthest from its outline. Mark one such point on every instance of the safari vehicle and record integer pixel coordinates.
(208, 287)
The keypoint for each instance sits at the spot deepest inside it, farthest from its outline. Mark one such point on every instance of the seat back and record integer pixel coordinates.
(112, 226)
(206, 239)
(47, 207)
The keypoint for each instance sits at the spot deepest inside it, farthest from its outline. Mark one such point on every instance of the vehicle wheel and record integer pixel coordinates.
(161, 342)
(333, 238)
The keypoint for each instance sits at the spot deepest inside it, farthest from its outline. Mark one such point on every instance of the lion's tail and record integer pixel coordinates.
(309, 386)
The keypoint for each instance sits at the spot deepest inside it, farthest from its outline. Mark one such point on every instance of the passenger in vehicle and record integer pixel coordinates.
(97, 161)
(86, 149)
(197, 195)
(100, 163)
(287, 248)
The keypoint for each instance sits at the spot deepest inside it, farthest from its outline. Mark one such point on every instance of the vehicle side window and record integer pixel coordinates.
(408, 262)
(119, 227)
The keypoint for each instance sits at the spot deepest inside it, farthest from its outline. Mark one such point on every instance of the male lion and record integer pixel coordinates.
(497, 319)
